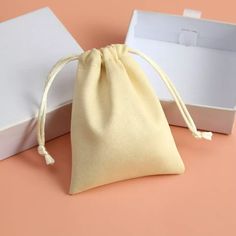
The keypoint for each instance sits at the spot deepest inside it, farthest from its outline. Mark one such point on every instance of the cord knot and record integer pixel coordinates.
(43, 152)
(204, 135)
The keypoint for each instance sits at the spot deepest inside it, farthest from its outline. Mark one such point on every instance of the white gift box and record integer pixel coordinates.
(29, 46)
(200, 58)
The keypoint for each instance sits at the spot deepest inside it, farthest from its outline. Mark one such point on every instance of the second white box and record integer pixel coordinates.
(200, 58)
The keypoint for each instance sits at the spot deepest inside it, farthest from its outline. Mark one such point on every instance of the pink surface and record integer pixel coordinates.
(33, 197)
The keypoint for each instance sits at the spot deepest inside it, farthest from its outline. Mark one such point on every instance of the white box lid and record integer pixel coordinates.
(30, 45)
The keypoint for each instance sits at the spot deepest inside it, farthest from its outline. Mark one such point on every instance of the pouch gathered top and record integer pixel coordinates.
(118, 128)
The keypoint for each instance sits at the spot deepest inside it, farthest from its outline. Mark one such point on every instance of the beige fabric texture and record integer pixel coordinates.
(118, 128)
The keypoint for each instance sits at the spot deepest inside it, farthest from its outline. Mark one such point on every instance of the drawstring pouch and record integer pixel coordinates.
(118, 128)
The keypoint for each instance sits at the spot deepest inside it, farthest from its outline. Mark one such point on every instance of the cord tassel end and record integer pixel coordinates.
(49, 160)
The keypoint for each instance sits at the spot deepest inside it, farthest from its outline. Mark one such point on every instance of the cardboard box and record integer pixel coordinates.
(30, 45)
(200, 58)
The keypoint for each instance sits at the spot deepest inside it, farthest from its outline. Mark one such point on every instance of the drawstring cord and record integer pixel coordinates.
(43, 107)
(182, 108)
(59, 66)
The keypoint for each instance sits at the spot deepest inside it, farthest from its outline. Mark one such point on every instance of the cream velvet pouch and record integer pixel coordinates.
(118, 127)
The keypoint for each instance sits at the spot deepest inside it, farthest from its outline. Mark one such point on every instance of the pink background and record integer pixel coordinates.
(33, 197)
